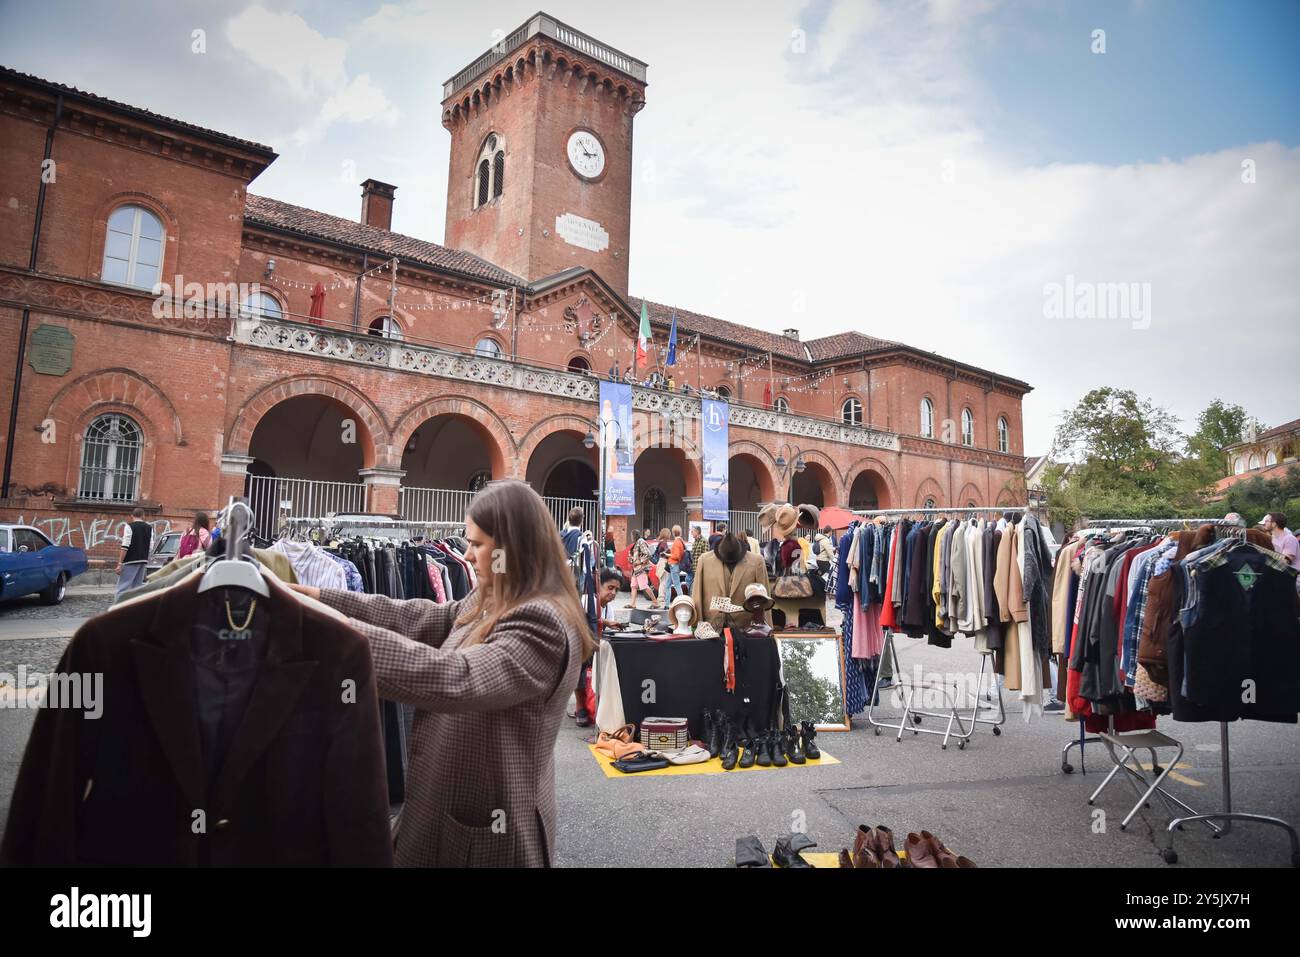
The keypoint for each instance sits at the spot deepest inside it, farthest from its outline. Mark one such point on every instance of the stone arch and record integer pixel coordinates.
(122, 387)
(929, 488)
(496, 436)
(377, 452)
(882, 481)
(688, 456)
(1007, 496)
(761, 462)
(970, 493)
(834, 478)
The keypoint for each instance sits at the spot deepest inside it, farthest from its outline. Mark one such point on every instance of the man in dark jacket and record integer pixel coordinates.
(136, 540)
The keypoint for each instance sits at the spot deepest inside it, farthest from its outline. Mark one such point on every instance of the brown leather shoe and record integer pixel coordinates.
(919, 852)
(866, 857)
(863, 838)
(965, 862)
(942, 855)
(845, 859)
(883, 845)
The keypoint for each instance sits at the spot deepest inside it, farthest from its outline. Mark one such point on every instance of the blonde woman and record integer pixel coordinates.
(489, 677)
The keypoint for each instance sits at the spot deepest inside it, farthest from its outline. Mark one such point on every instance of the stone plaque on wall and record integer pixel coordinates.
(50, 350)
(585, 233)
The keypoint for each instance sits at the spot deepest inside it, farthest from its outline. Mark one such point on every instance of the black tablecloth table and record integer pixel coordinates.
(688, 678)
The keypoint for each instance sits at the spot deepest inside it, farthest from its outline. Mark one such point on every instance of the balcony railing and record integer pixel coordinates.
(356, 347)
(548, 27)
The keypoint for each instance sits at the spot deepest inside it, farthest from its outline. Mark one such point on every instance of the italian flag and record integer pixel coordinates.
(643, 338)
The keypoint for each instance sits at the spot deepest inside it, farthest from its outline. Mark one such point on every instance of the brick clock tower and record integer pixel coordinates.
(541, 153)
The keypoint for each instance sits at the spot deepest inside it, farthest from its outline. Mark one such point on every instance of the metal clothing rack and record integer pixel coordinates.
(1135, 524)
(911, 717)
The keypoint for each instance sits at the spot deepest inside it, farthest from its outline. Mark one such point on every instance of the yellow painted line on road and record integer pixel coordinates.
(1176, 776)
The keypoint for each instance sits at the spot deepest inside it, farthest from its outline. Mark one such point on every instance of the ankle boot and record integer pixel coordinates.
(707, 737)
(749, 752)
(919, 853)
(883, 844)
(774, 746)
(790, 740)
(866, 858)
(846, 859)
(808, 732)
(729, 752)
(788, 848)
(716, 732)
(764, 757)
(750, 853)
(863, 838)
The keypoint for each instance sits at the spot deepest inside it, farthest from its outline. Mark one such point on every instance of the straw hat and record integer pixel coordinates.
(787, 519)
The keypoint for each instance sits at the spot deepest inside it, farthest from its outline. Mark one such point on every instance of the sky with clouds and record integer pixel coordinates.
(960, 175)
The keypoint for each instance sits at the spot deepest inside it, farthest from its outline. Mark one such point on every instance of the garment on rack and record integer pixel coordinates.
(287, 772)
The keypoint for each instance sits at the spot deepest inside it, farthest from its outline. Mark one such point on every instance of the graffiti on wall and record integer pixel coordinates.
(88, 535)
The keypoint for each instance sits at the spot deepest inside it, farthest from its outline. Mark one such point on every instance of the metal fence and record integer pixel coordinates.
(275, 500)
(450, 505)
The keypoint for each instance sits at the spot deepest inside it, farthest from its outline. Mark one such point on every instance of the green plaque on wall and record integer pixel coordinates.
(50, 351)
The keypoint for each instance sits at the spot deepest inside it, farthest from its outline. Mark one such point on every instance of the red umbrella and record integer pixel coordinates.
(836, 517)
(317, 314)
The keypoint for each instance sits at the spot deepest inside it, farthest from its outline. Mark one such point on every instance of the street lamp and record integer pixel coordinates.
(798, 466)
(589, 441)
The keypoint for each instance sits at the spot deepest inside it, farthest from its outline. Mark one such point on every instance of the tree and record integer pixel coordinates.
(1220, 425)
(1255, 496)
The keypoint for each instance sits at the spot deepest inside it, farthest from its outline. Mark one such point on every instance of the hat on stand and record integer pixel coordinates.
(767, 515)
(687, 601)
(756, 598)
(810, 516)
(723, 604)
(787, 520)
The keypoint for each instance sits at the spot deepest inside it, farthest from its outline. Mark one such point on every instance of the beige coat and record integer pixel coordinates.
(480, 785)
(712, 579)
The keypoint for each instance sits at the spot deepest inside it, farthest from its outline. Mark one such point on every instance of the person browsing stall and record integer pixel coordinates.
(489, 677)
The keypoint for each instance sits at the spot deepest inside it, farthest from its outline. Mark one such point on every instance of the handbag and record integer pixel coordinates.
(795, 583)
(665, 734)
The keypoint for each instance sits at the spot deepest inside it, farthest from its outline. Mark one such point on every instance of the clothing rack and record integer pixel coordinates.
(1135, 524)
(911, 717)
(1148, 740)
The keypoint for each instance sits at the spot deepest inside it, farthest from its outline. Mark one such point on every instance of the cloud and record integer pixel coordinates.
(313, 66)
(855, 188)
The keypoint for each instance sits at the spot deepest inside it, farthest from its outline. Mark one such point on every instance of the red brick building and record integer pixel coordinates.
(475, 360)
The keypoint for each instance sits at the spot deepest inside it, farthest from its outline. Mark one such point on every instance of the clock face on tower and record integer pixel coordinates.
(586, 155)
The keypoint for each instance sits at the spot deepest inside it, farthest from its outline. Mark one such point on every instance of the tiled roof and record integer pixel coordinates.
(11, 74)
(745, 337)
(844, 344)
(271, 212)
(1268, 474)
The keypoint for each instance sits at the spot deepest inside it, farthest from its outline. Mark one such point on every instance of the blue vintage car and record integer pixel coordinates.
(31, 564)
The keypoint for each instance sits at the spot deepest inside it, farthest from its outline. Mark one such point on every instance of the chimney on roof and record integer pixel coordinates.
(791, 334)
(377, 204)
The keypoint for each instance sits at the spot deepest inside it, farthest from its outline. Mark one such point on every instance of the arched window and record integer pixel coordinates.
(781, 405)
(967, 427)
(851, 412)
(490, 178)
(489, 348)
(133, 248)
(1254, 462)
(1239, 466)
(654, 509)
(387, 327)
(927, 418)
(579, 364)
(110, 459)
(724, 393)
(1270, 459)
(1004, 435)
(261, 305)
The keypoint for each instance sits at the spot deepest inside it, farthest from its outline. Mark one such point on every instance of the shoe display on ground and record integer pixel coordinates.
(788, 848)
(807, 732)
(774, 748)
(750, 852)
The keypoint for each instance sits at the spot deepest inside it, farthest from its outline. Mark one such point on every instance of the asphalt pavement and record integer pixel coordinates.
(1002, 801)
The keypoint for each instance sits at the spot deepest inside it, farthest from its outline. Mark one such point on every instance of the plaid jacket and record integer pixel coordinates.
(480, 786)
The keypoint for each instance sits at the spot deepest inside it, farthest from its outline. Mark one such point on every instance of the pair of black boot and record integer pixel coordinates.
(750, 852)
(722, 738)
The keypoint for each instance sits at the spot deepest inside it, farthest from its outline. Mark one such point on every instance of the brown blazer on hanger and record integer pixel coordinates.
(713, 578)
(302, 784)
(480, 785)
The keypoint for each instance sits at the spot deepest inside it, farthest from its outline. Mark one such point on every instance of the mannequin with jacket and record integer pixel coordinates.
(725, 571)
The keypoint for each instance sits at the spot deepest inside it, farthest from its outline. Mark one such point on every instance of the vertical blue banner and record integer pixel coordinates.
(620, 481)
(717, 464)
